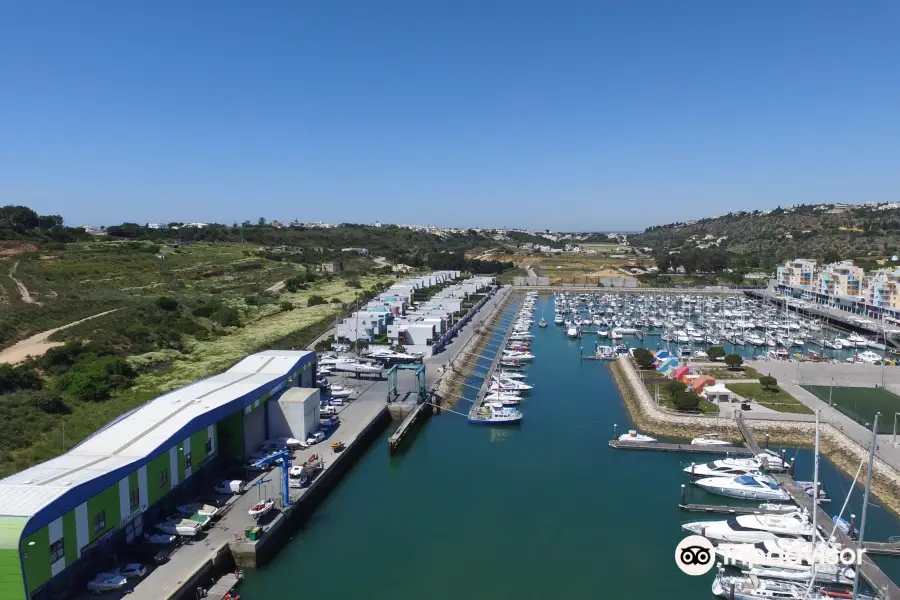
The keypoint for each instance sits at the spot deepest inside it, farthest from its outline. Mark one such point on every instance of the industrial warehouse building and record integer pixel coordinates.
(63, 520)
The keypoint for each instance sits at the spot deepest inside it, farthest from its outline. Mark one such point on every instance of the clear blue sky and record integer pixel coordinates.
(567, 115)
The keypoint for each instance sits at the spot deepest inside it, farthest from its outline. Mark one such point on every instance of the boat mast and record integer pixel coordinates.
(815, 498)
(865, 506)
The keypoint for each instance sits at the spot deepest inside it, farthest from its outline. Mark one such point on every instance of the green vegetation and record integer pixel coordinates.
(759, 240)
(673, 395)
(774, 398)
(719, 372)
(734, 361)
(861, 403)
(644, 358)
(715, 352)
(768, 383)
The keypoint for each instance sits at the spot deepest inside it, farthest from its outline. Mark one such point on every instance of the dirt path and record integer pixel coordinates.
(37, 344)
(23, 291)
(276, 288)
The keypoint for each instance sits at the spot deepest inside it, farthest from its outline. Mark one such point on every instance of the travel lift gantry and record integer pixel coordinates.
(285, 457)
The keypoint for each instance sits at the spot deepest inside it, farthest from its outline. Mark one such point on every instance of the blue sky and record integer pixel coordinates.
(567, 115)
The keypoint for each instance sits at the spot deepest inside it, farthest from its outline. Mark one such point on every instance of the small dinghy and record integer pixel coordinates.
(261, 508)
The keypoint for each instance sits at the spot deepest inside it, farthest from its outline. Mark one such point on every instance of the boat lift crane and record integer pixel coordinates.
(285, 457)
(420, 381)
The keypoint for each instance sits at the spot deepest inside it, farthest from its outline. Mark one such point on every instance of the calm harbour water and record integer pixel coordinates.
(542, 510)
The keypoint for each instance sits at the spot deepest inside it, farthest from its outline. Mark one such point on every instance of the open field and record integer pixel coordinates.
(776, 399)
(861, 403)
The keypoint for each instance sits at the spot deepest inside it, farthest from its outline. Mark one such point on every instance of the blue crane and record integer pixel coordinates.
(285, 457)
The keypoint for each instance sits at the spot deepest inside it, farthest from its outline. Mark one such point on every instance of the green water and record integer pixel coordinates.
(542, 510)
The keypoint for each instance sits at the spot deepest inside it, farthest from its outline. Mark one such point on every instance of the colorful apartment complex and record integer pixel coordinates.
(843, 286)
(64, 520)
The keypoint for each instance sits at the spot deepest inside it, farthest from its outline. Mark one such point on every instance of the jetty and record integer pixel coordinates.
(871, 572)
(690, 448)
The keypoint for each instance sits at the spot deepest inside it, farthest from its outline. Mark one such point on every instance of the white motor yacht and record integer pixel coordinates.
(751, 529)
(498, 396)
(517, 355)
(350, 365)
(749, 487)
(709, 439)
(494, 413)
(754, 588)
(515, 385)
(634, 436)
(725, 467)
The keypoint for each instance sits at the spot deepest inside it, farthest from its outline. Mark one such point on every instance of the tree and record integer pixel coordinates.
(734, 361)
(19, 218)
(644, 358)
(315, 300)
(715, 352)
(832, 256)
(286, 306)
(93, 378)
(675, 387)
(768, 382)
(686, 401)
(323, 346)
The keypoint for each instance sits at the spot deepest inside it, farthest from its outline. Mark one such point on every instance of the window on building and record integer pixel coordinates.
(164, 476)
(208, 446)
(57, 551)
(187, 460)
(134, 499)
(100, 521)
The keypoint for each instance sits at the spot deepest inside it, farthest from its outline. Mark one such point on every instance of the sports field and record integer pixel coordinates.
(861, 403)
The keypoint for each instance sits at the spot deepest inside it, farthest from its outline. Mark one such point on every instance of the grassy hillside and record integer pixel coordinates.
(180, 318)
(764, 238)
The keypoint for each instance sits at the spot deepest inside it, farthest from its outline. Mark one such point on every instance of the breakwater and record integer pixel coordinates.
(844, 452)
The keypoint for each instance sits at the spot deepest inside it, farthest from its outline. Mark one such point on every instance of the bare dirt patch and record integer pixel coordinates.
(38, 344)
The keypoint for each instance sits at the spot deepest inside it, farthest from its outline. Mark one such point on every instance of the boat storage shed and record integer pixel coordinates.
(64, 518)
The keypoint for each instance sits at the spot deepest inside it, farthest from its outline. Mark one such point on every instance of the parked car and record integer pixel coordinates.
(315, 438)
(133, 571)
(327, 411)
(336, 401)
(234, 486)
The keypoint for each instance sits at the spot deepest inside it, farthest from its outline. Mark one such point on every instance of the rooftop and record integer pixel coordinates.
(142, 432)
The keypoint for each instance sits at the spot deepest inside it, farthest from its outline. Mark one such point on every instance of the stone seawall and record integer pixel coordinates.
(840, 449)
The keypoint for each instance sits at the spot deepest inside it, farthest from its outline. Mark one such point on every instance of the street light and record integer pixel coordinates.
(830, 389)
(894, 442)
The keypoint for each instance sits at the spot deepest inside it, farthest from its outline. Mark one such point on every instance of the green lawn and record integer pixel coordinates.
(861, 404)
(776, 399)
(665, 400)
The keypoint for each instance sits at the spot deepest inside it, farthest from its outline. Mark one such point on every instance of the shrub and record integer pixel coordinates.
(252, 300)
(674, 388)
(286, 306)
(686, 401)
(354, 283)
(768, 382)
(315, 300)
(166, 303)
(93, 378)
(226, 317)
(336, 301)
(13, 379)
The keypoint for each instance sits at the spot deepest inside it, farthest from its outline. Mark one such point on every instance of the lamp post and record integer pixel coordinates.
(830, 389)
(894, 441)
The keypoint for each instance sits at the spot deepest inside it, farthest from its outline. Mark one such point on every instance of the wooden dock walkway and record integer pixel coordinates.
(418, 412)
(871, 572)
(666, 447)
